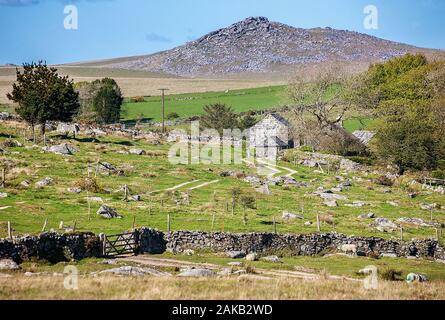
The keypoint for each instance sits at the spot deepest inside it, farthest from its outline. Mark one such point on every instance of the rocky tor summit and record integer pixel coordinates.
(257, 45)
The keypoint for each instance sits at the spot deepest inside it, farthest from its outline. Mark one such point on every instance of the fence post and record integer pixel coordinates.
(74, 226)
(274, 226)
(44, 225)
(102, 239)
(168, 222)
(3, 178)
(134, 222)
(9, 230)
(318, 223)
(401, 233)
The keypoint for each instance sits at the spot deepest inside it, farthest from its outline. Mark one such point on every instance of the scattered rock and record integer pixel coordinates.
(429, 207)
(95, 199)
(235, 254)
(264, 189)
(227, 174)
(108, 213)
(74, 190)
(62, 149)
(8, 264)
(332, 203)
(412, 195)
(25, 184)
(135, 272)
(387, 190)
(252, 179)
(136, 198)
(357, 204)
(308, 223)
(189, 252)
(272, 259)
(384, 225)
(331, 196)
(45, 182)
(291, 216)
(235, 264)
(197, 273)
(3, 195)
(252, 257)
(415, 221)
(138, 152)
(370, 215)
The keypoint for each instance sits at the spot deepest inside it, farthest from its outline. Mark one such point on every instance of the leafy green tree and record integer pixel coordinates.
(404, 98)
(42, 95)
(247, 121)
(219, 117)
(107, 101)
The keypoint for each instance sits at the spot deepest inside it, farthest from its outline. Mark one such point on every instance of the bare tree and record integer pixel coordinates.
(326, 96)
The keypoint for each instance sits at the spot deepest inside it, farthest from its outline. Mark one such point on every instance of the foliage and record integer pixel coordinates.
(137, 99)
(247, 122)
(43, 95)
(404, 93)
(172, 116)
(219, 117)
(391, 275)
(100, 100)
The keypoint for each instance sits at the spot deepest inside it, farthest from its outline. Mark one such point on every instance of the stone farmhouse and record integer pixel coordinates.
(269, 136)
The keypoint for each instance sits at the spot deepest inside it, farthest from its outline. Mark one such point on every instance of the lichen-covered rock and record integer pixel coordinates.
(108, 212)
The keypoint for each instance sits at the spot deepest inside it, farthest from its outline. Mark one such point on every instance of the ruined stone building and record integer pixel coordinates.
(269, 136)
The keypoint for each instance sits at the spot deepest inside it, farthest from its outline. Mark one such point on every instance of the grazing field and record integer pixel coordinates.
(326, 278)
(192, 104)
(160, 183)
(244, 288)
(141, 83)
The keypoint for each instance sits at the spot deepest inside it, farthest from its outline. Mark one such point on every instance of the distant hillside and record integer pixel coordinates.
(257, 45)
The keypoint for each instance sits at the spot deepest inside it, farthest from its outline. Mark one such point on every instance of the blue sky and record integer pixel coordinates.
(33, 29)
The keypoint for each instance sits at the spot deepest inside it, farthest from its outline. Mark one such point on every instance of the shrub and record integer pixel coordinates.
(137, 99)
(362, 160)
(306, 148)
(172, 116)
(438, 174)
(391, 275)
(88, 184)
(384, 181)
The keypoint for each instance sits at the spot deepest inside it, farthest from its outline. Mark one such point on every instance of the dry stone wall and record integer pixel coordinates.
(55, 247)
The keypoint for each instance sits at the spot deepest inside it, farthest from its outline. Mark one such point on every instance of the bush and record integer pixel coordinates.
(88, 184)
(306, 149)
(362, 160)
(137, 99)
(384, 181)
(438, 174)
(391, 275)
(172, 116)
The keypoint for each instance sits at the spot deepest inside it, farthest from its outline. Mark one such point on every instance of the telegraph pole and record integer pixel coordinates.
(163, 108)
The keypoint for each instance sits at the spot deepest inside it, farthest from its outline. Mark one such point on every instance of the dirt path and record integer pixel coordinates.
(164, 262)
(205, 184)
(274, 168)
(175, 187)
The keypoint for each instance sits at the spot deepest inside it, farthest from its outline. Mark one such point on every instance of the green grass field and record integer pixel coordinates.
(27, 208)
(187, 105)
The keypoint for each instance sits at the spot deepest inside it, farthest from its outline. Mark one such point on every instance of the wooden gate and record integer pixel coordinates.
(120, 244)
